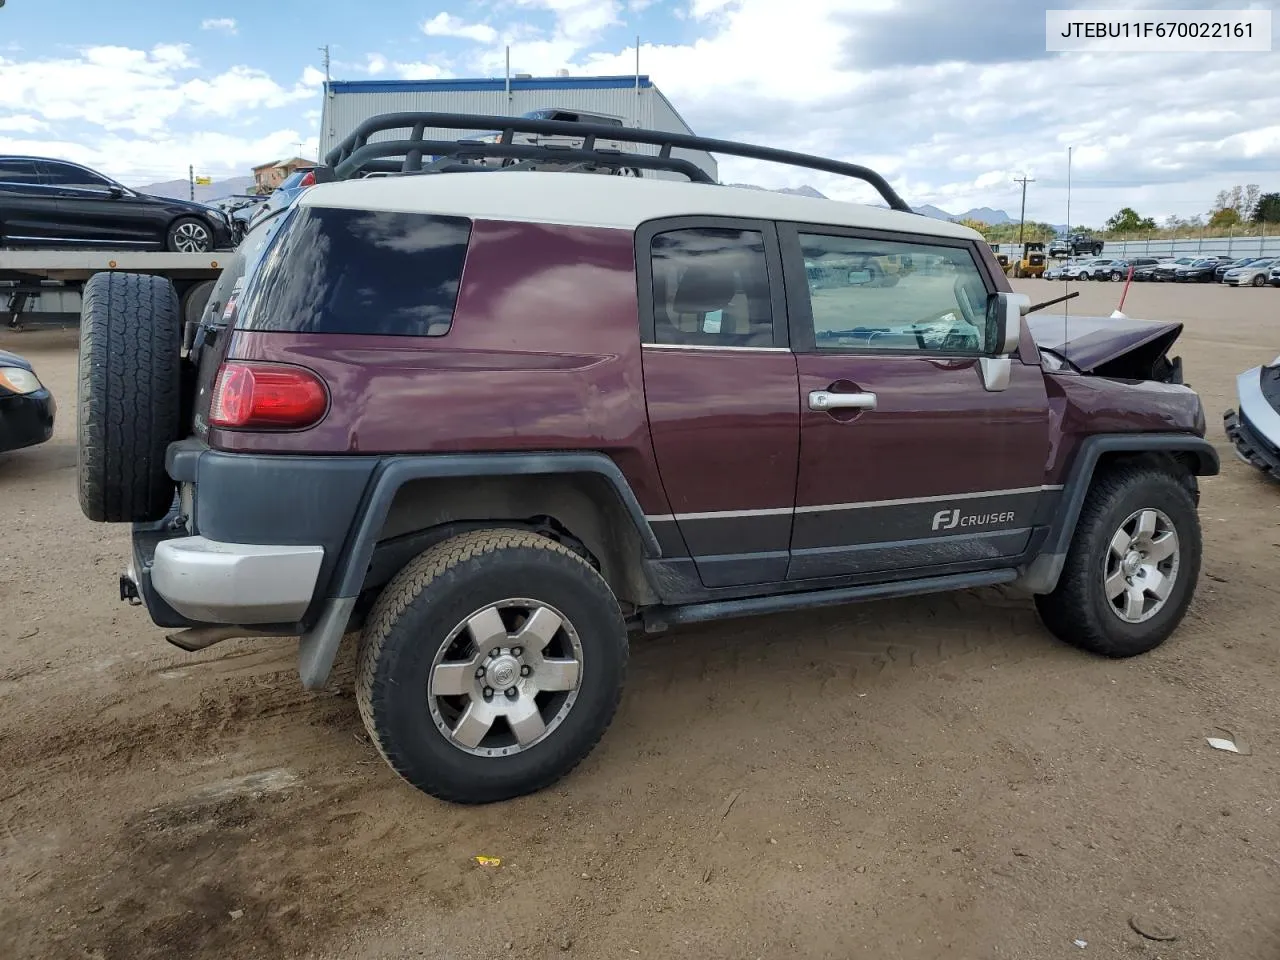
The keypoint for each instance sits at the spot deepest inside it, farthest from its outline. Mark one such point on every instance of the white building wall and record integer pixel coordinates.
(346, 106)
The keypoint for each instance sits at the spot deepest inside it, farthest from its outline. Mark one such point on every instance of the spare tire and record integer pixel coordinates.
(128, 396)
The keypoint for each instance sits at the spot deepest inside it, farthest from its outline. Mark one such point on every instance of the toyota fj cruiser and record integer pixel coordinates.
(496, 419)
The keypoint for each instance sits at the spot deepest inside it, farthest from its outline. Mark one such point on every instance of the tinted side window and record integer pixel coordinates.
(358, 271)
(894, 296)
(66, 174)
(711, 288)
(18, 172)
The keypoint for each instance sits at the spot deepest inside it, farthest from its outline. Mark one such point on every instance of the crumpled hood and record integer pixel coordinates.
(8, 359)
(1104, 346)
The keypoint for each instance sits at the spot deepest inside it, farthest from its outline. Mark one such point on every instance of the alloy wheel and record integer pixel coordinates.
(1141, 565)
(505, 677)
(191, 237)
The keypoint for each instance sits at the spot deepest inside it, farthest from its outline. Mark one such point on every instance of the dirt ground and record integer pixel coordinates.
(912, 779)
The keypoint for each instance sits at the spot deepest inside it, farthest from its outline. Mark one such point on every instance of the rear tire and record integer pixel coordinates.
(425, 664)
(128, 396)
(1258, 281)
(1082, 610)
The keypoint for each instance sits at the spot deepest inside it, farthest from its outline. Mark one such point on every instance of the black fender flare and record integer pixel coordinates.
(393, 473)
(1041, 575)
(319, 645)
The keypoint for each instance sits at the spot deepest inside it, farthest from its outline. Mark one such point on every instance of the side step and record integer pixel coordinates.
(660, 618)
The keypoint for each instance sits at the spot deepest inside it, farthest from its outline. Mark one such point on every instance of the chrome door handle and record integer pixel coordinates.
(826, 400)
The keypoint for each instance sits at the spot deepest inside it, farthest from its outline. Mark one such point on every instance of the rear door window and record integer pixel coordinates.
(69, 175)
(358, 271)
(18, 173)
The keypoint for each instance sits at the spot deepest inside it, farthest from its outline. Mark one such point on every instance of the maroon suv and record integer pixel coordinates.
(498, 418)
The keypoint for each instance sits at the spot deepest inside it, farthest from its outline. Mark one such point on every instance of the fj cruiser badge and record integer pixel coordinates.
(950, 519)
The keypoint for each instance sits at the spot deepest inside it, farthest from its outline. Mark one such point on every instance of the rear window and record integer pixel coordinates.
(358, 271)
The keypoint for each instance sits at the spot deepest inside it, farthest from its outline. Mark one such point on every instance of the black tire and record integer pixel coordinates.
(1116, 276)
(128, 396)
(411, 622)
(1258, 281)
(189, 235)
(195, 300)
(1078, 610)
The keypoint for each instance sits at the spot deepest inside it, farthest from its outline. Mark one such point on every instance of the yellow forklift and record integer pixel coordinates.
(1001, 258)
(1032, 263)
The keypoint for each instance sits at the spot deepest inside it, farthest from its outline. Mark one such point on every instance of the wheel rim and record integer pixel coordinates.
(1141, 565)
(505, 678)
(191, 238)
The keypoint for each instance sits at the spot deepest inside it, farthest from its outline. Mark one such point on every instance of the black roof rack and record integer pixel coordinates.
(355, 156)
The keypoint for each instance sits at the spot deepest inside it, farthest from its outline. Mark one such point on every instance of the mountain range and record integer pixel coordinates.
(181, 189)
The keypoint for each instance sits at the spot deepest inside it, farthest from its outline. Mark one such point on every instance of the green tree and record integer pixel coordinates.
(1267, 209)
(1126, 220)
(1225, 217)
(982, 228)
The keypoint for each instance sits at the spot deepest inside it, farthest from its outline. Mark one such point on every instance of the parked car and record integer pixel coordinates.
(283, 196)
(1168, 269)
(53, 203)
(1252, 274)
(27, 407)
(1224, 267)
(1099, 269)
(1074, 245)
(1199, 271)
(1074, 270)
(1120, 268)
(1146, 272)
(241, 209)
(393, 443)
(1253, 425)
(1274, 277)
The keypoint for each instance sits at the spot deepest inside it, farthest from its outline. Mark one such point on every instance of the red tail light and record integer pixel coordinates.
(308, 179)
(271, 396)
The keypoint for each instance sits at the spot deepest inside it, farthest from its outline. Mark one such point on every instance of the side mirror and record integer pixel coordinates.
(115, 191)
(1004, 330)
(1004, 321)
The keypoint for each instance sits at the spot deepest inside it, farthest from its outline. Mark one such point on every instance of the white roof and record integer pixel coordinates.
(597, 200)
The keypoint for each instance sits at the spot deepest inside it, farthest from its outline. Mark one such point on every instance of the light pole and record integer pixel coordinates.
(1022, 218)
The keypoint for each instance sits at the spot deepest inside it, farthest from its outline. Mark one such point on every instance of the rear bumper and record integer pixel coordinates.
(236, 583)
(26, 420)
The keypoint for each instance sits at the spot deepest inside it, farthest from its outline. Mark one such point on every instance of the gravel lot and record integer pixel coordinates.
(913, 779)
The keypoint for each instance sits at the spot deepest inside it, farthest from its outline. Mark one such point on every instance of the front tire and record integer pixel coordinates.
(1132, 566)
(466, 725)
(189, 235)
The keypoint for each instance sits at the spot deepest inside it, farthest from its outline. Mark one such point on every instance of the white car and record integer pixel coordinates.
(1252, 275)
(1077, 269)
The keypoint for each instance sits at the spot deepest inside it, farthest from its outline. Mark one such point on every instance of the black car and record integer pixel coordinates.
(1231, 265)
(26, 405)
(1201, 270)
(1168, 269)
(53, 203)
(1120, 269)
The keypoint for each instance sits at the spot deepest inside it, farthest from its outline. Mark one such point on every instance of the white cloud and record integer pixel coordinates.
(222, 24)
(419, 71)
(137, 113)
(447, 25)
(949, 101)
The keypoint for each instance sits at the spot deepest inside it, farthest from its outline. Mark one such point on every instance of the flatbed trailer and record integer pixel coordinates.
(25, 274)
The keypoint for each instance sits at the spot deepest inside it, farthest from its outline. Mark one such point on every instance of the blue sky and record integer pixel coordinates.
(949, 99)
